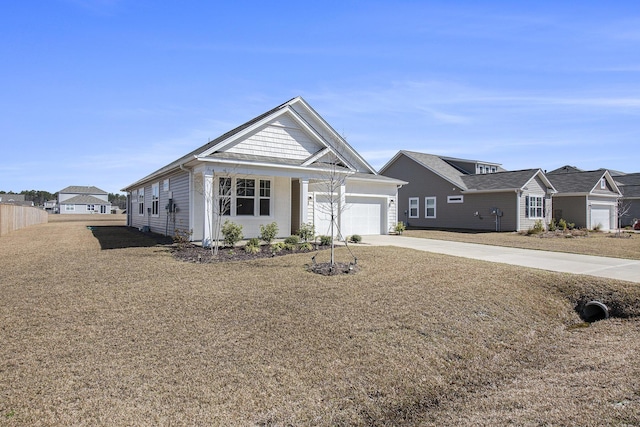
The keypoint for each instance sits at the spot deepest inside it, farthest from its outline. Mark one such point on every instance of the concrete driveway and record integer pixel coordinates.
(612, 268)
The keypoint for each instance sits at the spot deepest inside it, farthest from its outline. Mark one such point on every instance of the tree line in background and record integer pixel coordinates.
(38, 197)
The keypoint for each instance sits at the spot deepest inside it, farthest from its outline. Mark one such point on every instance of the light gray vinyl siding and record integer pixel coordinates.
(534, 188)
(164, 223)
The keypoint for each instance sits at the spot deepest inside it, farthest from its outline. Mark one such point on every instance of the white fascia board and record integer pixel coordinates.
(544, 179)
(390, 162)
(335, 134)
(309, 171)
(378, 180)
(316, 156)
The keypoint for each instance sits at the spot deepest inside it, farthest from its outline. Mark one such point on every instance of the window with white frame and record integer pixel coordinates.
(224, 196)
(414, 210)
(244, 196)
(535, 206)
(155, 199)
(140, 201)
(91, 208)
(429, 207)
(265, 197)
(69, 208)
(603, 183)
(455, 199)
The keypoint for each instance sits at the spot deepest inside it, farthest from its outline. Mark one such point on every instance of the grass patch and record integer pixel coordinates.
(131, 336)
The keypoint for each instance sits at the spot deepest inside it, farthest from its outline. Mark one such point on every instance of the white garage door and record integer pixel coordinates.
(361, 216)
(601, 215)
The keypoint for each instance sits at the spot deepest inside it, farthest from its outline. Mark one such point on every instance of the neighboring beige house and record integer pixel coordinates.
(447, 192)
(586, 198)
(79, 199)
(273, 168)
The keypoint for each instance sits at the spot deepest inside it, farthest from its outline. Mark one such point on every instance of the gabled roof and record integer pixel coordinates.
(504, 181)
(583, 182)
(564, 169)
(84, 199)
(330, 143)
(82, 189)
(629, 184)
(434, 163)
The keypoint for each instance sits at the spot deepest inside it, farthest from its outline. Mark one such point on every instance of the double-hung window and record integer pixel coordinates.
(91, 208)
(224, 196)
(155, 199)
(414, 209)
(265, 197)
(244, 196)
(141, 201)
(535, 208)
(429, 207)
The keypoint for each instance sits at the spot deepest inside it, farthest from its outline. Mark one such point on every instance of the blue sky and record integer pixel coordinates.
(103, 92)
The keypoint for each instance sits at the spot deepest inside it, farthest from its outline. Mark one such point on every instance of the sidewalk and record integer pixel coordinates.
(612, 268)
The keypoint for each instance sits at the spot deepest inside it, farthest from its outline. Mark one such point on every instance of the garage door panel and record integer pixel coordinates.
(363, 216)
(601, 215)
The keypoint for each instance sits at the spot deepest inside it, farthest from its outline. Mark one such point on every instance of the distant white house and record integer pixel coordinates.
(81, 199)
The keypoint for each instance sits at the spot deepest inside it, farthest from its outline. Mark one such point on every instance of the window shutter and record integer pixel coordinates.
(526, 209)
(544, 207)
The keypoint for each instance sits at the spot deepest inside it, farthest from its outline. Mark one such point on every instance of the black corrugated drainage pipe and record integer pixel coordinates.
(594, 311)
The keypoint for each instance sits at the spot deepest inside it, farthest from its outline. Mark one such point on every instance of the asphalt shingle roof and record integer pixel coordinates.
(575, 182)
(439, 166)
(499, 180)
(84, 199)
(82, 189)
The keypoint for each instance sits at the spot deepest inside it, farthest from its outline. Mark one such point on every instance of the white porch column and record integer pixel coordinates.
(209, 196)
(304, 202)
(342, 208)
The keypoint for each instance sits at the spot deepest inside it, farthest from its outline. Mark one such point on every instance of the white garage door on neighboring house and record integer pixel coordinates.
(362, 215)
(601, 215)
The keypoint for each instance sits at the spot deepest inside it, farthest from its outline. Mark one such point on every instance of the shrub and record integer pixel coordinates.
(552, 225)
(291, 246)
(306, 246)
(356, 238)
(400, 227)
(597, 227)
(325, 240)
(182, 238)
(562, 224)
(254, 241)
(252, 249)
(277, 247)
(231, 232)
(538, 227)
(268, 232)
(292, 240)
(307, 232)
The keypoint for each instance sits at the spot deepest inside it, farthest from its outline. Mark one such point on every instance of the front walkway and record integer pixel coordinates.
(612, 268)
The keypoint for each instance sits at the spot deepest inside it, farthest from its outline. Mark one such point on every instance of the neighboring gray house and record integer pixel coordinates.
(446, 192)
(274, 168)
(629, 185)
(14, 199)
(586, 198)
(80, 199)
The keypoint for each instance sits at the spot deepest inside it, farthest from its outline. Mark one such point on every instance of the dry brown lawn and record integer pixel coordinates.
(624, 245)
(131, 336)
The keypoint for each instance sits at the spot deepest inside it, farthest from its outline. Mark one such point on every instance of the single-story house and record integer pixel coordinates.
(14, 199)
(82, 199)
(287, 166)
(446, 192)
(629, 185)
(586, 198)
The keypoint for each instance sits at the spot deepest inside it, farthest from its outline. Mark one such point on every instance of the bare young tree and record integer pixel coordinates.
(622, 209)
(331, 185)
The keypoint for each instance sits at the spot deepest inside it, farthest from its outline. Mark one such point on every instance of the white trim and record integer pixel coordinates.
(417, 207)
(426, 208)
(455, 199)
